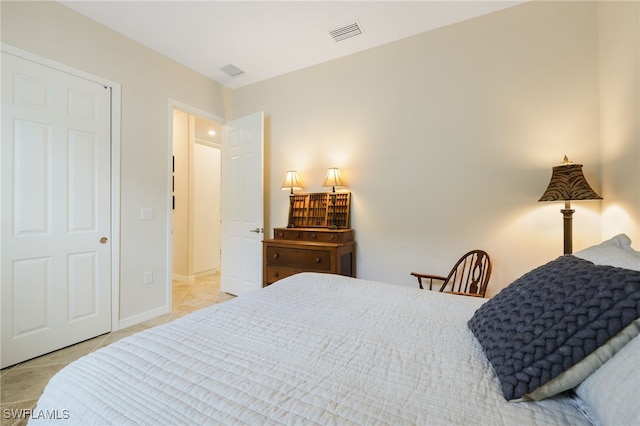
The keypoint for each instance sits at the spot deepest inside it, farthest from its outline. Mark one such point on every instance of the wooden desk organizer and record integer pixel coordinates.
(315, 210)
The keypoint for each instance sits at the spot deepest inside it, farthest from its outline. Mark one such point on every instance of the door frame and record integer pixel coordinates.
(116, 96)
(175, 104)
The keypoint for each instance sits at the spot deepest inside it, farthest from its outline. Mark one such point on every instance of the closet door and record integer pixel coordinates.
(56, 218)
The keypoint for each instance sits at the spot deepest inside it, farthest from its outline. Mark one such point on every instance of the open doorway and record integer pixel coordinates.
(196, 196)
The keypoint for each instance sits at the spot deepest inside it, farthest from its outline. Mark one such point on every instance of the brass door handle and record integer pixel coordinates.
(104, 240)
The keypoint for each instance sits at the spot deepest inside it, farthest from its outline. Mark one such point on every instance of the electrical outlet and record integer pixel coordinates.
(148, 277)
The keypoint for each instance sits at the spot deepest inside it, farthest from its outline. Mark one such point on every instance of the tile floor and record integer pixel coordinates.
(22, 384)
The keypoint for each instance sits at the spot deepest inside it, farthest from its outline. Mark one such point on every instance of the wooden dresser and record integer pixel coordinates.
(294, 250)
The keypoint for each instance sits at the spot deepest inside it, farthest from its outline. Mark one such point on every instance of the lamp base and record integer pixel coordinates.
(291, 224)
(567, 217)
(333, 204)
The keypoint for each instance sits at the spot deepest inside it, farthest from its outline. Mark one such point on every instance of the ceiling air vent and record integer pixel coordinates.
(232, 70)
(345, 31)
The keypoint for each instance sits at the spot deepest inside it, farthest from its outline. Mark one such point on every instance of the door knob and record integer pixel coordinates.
(257, 230)
(104, 240)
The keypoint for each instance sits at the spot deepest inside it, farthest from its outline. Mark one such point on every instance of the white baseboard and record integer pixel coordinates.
(193, 277)
(180, 278)
(208, 272)
(145, 316)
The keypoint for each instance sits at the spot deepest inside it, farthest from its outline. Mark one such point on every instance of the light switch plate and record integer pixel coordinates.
(146, 213)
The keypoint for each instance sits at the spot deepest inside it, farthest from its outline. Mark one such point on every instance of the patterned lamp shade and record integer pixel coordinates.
(568, 183)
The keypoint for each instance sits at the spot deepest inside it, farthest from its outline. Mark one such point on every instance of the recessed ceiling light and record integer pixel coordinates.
(212, 132)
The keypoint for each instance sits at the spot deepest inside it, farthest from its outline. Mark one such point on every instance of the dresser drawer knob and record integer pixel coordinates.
(276, 275)
(333, 236)
(313, 236)
(276, 255)
(317, 260)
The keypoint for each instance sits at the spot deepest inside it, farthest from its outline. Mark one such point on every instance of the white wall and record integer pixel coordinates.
(148, 81)
(619, 47)
(447, 139)
(206, 208)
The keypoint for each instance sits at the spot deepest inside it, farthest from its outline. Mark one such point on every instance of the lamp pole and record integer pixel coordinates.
(567, 227)
(291, 224)
(333, 201)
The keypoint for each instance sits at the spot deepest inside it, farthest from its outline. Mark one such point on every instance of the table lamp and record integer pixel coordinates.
(291, 182)
(567, 184)
(331, 181)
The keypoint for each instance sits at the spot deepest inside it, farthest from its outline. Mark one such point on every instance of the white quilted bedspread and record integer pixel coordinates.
(310, 349)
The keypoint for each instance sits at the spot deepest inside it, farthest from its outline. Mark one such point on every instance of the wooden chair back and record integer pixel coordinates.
(470, 275)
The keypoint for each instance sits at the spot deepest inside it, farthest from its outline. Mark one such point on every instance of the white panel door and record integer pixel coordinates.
(56, 258)
(242, 204)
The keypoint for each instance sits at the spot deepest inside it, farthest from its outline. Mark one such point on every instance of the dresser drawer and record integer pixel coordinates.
(316, 260)
(326, 237)
(321, 235)
(289, 234)
(275, 273)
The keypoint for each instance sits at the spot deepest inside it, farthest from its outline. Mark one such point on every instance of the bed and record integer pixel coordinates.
(327, 349)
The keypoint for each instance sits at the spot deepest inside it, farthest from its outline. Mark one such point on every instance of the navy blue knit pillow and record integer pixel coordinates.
(547, 323)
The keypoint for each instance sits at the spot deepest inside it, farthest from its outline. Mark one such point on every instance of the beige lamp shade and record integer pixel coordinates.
(291, 182)
(333, 179)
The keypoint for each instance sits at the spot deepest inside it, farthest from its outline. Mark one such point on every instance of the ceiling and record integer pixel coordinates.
(202, 129)
(270, 38)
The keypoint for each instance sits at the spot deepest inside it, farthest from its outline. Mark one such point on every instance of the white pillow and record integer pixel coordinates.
(616, 251)
(612, 390)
